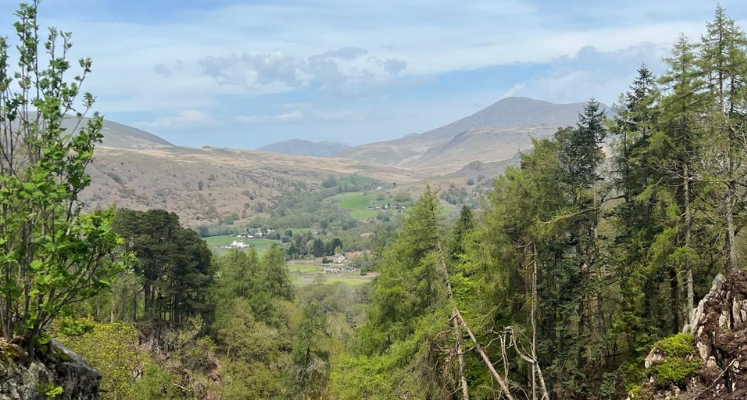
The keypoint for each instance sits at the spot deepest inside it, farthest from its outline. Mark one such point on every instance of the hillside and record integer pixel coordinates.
(205, 185)
(122, 136)
(305, 148)
(484, 173)
(492, 134)
(139, 170)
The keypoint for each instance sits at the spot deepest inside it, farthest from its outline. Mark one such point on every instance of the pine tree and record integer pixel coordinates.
(723, 65)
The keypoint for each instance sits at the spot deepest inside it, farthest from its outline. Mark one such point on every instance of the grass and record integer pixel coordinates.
(214, 242)
(308, 273)
(303, 268)
(329, 281)
(357, 204)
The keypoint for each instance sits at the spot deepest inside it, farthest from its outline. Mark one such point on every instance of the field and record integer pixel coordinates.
(357, 203)
(214, 242)
(308, 273)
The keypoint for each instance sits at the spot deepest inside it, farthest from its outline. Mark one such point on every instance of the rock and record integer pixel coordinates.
(719, 329)
(655, 357)
(703, 350)
(57, 368)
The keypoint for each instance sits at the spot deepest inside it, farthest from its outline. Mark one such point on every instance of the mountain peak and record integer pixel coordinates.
(514, 112)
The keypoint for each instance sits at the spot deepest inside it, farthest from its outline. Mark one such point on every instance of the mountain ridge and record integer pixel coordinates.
(301, 147)
(492, 134)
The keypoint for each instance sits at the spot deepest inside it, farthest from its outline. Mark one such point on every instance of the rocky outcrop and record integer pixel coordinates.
(708, 360)
(56, 373)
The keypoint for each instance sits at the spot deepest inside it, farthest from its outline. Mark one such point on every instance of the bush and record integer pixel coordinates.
(470, 181)
(230, 219)
(402, 197)
(113, 350)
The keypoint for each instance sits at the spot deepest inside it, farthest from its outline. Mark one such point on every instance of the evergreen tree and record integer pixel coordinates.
(310, 360)
(722, 63)
(275, 274)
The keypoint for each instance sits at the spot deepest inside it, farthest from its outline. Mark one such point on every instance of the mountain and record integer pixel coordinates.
(121, 136)
(305, 148)
(493, 134)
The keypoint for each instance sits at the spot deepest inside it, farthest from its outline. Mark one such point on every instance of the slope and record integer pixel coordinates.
(305, 148)
(120, 136)
(203, 186)
(492, 134)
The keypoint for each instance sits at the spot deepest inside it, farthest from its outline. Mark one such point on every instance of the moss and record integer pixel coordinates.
(674, 371)
(679, 345)
(14, 353)
(634, 390)
(679, 363)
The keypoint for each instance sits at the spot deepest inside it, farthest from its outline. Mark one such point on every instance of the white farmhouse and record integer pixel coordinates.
(238, 244)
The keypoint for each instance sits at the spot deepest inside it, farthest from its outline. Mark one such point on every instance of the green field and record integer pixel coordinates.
(302, 273)
(214, 242)
(357, 203)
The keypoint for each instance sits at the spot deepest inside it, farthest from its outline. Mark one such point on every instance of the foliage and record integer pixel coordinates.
(52, 255)
(173, 264)
(127, 372)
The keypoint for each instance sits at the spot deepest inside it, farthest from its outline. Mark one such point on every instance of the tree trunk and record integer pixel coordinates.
(731, 246)
(688, 267)
(674, 294)
(534, 321)
(460, 356)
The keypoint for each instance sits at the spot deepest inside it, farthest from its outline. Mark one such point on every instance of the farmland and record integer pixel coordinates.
(309, 273)
(215, 243)
(357, 204)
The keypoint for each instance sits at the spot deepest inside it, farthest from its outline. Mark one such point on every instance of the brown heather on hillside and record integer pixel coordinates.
(204, 185)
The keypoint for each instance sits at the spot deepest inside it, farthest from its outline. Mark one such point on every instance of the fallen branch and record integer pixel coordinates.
(463, 323)
(715, 381)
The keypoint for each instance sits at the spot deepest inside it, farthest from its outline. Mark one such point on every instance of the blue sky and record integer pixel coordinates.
(243, 74)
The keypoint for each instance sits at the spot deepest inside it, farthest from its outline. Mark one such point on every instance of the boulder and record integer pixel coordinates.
(56, 373)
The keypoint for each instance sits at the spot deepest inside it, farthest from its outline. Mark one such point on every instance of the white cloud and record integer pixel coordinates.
(592, 73)
(298, 113)
(255, 44)
(343, 71)
(188, 119)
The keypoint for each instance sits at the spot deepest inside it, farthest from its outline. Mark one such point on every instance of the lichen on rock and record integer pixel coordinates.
(56, 373)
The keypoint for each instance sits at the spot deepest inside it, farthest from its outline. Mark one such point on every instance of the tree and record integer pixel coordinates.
(310, 360)
(318, 248)
(464, 226)
(275, 274)
(53, 255)
(173, 262)
(634, 177)
(722, 60)
(333, 245)
(408, 310)
(677, 150)
(402, 197)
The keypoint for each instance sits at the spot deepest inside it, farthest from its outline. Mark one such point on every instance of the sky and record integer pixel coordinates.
(242, 74)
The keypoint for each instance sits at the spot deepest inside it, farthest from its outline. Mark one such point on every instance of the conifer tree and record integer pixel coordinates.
(722, 60)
